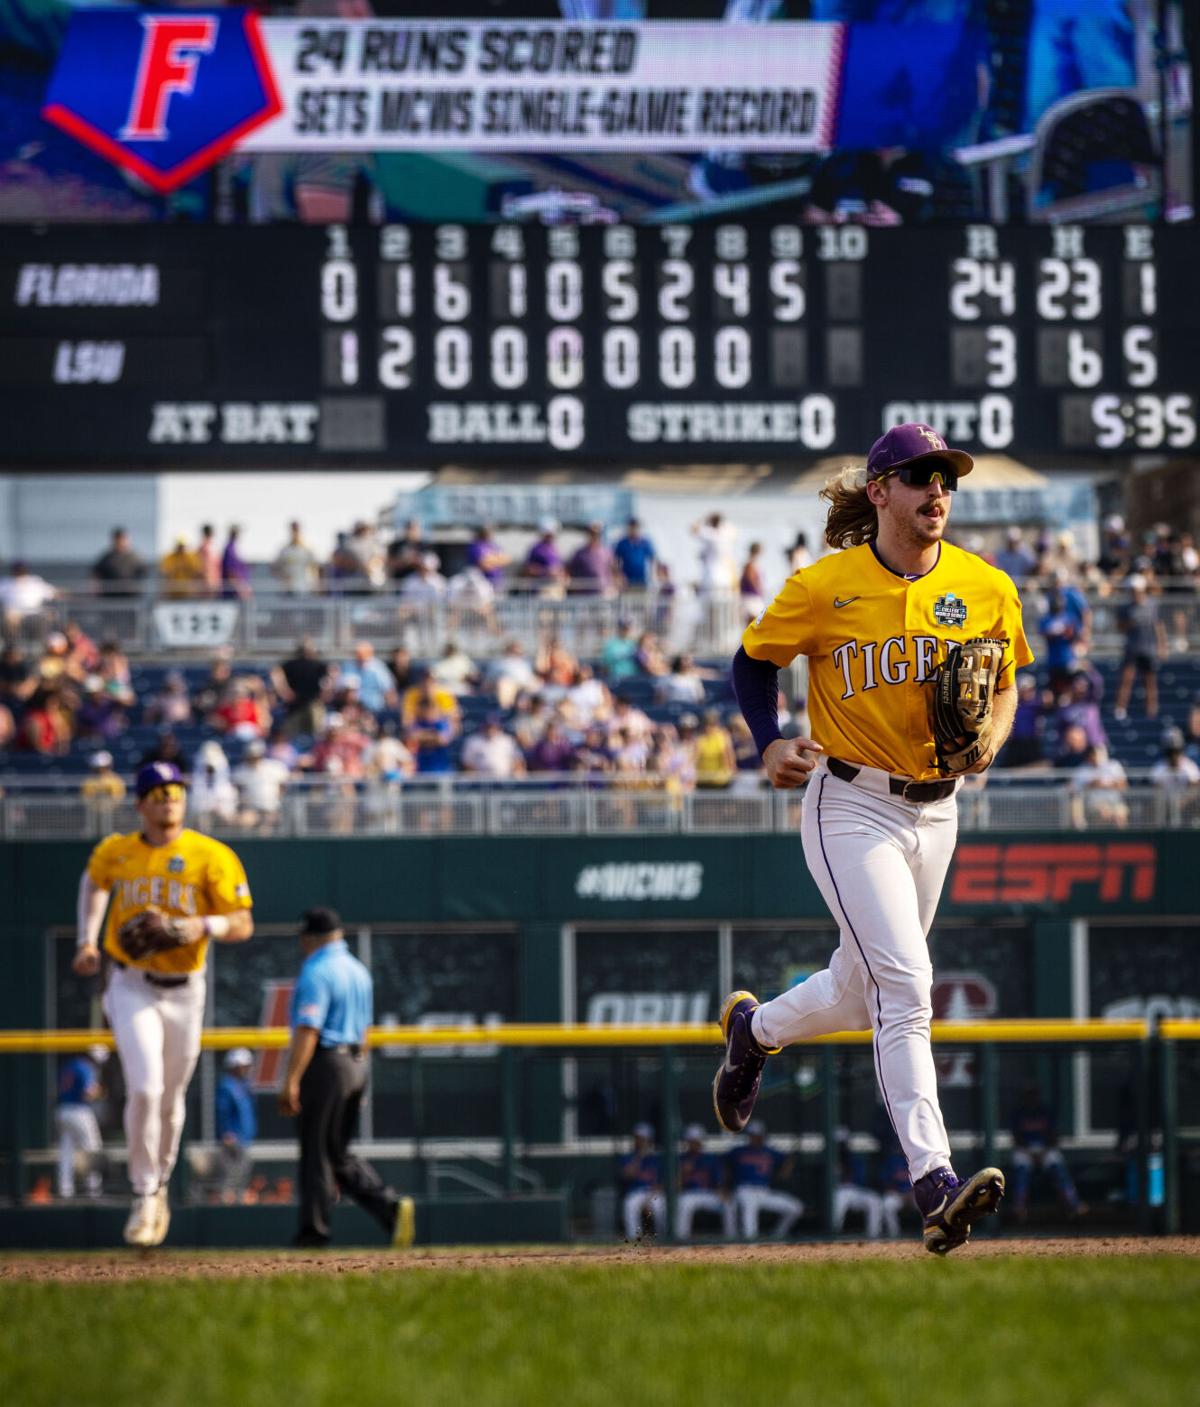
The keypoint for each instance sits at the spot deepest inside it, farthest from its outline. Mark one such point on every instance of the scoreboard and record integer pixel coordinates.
(527, 345)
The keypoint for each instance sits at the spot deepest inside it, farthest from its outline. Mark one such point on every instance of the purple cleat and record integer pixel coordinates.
(951, 1206)
(737, 1081)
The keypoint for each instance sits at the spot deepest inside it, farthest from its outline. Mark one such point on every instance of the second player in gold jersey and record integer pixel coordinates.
(155, 1004)
(873, 639)
(191, 876)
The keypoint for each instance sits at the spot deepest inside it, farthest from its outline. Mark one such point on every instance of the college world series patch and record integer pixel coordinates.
(950, 609)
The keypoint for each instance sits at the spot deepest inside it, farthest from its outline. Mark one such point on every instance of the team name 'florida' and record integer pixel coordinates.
(867, 663)
(167, 893)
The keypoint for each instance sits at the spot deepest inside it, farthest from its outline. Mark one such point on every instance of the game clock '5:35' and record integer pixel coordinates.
(1144, 421)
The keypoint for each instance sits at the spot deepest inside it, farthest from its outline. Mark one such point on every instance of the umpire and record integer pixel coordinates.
(324, 1085)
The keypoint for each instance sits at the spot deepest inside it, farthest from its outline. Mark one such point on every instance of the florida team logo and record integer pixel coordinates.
(950, 610)
(162, 95)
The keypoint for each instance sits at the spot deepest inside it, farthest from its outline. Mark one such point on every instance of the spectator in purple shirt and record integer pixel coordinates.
(1083, 707)
(99, 715)
(544, 563)
(591, 565)
(554, 752)
(487, 554)
(235, 570)
(1024, 747)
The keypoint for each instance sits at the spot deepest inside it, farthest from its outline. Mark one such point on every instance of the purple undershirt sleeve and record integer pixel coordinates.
(756, 687)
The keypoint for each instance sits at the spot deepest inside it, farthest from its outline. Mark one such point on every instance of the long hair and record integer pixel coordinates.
(852, 517)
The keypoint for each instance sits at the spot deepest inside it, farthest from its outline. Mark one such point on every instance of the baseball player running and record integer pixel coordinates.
(172, 890)
(913, 645)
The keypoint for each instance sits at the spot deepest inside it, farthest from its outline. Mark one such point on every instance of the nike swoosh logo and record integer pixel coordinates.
(938, 1210)
(838, 603)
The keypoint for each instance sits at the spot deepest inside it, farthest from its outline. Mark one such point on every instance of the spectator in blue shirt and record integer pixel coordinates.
(372, 678)
(75, 1119)
(429, 738)
(1035, 1145)
(753, 1167)
(635, 556)
(237, 1125)
(1015, 559)
(641, 1179)
(1066, 626)
(618, 654)
(700, 1186)
(325, 1082)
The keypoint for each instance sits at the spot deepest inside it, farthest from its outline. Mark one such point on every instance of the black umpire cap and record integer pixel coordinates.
(319, 922)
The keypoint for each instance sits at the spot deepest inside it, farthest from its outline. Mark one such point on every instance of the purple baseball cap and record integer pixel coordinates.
(904, 443)
(158, 774)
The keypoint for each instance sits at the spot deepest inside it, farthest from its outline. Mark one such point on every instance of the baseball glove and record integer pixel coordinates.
(964, 685)
(147, 932)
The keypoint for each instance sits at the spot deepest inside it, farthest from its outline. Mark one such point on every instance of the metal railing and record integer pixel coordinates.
(268, 624)
(575, 804)
(508, 1043)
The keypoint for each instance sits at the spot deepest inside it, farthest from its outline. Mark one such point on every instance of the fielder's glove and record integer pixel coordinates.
(150, 931)
(964, 685)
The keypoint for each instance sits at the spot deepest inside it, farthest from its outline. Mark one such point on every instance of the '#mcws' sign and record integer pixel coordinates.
(640, 881)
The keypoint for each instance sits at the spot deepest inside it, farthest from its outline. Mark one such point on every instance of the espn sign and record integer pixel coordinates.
(1051, 872)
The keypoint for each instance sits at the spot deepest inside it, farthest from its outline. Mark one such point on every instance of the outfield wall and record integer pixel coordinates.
(633, 929)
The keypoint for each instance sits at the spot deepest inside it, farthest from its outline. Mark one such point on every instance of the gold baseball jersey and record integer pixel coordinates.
(192, 877)
(873, 638)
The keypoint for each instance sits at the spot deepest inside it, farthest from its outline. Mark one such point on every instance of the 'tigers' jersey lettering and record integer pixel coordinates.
(891, 657)
(137, 893)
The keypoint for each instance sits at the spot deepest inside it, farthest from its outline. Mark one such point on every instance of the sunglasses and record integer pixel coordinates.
(168, 791)
(921, 474)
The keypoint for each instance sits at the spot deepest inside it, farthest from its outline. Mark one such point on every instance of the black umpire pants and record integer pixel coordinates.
(331, 1091)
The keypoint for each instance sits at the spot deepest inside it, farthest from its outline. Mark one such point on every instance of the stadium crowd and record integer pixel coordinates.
(412, 564)
(244, 730)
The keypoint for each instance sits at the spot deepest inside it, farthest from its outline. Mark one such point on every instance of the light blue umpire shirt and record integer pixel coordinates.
(333, 994)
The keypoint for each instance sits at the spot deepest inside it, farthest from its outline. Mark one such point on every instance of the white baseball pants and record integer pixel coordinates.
(879, 862)
(892, 1203)
(690, 1203)
(635, 1205)
(753, 1201)
(78, 1132)
(848, 1198)
(157, 1033)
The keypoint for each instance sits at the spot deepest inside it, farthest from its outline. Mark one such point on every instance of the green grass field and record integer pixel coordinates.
(1088, 1332)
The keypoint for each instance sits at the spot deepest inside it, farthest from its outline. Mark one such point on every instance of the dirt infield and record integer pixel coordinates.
(106, 1266)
